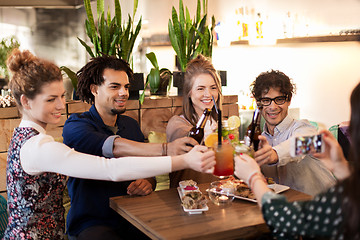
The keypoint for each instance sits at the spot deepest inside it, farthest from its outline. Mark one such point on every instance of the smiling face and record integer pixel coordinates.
(47, 106)
(111, 96)
(274, 114)
(203, 89)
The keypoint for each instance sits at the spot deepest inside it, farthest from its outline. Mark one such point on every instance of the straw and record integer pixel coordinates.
(219, 127)
(218, 111)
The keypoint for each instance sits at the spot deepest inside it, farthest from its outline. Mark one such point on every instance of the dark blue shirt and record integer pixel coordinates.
(87, 133)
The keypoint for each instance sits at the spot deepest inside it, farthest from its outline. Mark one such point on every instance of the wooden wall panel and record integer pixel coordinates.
(7, 127)
(154, 120)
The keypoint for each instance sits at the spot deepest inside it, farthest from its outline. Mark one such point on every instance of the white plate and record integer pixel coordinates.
(192, 211)
(278, 188)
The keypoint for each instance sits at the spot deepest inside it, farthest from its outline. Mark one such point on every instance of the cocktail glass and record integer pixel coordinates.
(224, 156)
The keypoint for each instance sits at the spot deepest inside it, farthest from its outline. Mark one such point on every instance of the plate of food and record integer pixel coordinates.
(242, 190)
(192, 199)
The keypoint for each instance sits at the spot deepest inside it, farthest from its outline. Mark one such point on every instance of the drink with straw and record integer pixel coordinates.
(224, 155)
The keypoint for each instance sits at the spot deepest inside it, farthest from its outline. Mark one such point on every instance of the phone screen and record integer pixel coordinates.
(308, 144)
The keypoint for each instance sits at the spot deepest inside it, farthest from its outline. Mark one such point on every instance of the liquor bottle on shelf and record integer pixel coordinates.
(197, 132)
(259, 26)
(253, 131)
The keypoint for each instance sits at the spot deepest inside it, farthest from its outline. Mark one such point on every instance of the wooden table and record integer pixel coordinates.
(161, 216)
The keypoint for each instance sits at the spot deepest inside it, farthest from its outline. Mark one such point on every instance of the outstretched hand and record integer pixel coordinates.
(245, 166)
(181, 146)
(333, 157)
(200, 159)
(266, 154)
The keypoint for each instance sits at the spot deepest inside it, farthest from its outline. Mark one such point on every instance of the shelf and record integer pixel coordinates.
(337, 38)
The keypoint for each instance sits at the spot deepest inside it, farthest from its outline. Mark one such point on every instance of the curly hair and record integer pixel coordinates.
(30, 74)
(92, 73)
(272, 79)
(195, 67)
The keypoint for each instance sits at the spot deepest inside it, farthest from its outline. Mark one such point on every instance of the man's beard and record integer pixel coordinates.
(118, 111)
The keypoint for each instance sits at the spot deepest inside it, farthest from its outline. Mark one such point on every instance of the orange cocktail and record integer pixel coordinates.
(224, 155)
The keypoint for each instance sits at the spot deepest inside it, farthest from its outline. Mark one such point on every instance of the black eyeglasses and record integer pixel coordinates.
(278, 100)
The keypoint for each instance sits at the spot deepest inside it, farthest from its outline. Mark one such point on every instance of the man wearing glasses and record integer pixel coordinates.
(273, 90)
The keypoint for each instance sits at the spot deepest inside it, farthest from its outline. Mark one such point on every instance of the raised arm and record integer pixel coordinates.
(333, 157)
(42, 154)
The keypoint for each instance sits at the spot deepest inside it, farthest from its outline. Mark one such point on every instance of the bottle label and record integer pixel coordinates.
(247, 141)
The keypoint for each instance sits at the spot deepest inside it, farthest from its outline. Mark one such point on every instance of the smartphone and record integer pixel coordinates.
(302, 145)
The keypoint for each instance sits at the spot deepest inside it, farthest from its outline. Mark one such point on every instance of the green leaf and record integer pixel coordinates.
(71, 75)
(133, 38)
(173, 38)
(198, 11)
(88, 49)
(90, 16)
(88, 30)
(117, 12)
(108, 17)
(135, 7)
(100, 7)
(154, 79)
(152, 57)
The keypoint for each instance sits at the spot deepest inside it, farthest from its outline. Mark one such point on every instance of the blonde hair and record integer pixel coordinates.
(195, 67)
(29, 73)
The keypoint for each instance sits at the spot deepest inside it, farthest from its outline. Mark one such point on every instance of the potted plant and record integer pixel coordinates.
(110, 37)
(189, 37)
(158, 79)
(6, 46)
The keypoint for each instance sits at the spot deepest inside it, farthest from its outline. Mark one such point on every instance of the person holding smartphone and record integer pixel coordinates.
(273, 90)
(332, 214)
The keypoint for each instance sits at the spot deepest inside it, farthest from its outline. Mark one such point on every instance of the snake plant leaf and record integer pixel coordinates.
(125, 41)
(90, 15)
(71, 75)
(154, 79)
(173, 38)
(135, 8)
(198, 11)
(88, 30)
(181, 13)
(152, 57)
(133, 38)
(104, 34)
(108, 17)
(205, 6)
(100, 7)
(117, 12)
(88, 49)
(112, 50)
(97, 46)
(178, 31)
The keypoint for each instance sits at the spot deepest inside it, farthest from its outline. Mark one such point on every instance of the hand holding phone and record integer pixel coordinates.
(302, 145)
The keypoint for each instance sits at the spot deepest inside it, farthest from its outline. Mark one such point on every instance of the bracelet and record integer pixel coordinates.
(255, 176)
(251, 176)
(164, 149)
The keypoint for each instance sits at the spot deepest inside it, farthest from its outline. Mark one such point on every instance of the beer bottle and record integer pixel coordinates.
(197, 132)
(253, 131)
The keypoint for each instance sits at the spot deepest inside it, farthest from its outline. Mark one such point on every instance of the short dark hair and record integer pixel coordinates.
(92, 73)
(272, 79)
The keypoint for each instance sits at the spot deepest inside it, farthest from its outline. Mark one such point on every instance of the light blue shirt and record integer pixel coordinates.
(306, 174)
